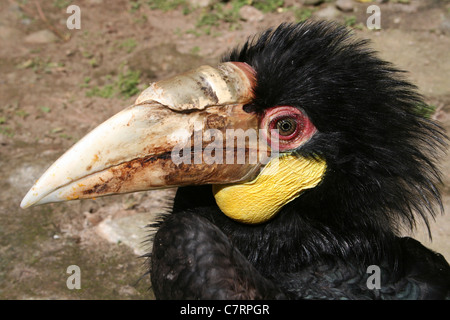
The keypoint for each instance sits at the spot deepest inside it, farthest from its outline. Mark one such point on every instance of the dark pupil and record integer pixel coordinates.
(286, 126)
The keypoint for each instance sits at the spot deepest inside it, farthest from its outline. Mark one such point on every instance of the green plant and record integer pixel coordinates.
(57, 130)
(30, 63)
(195, 50)
(87, 54)
(107, 91)
(135, 5)
(218, 13)
(267, 5)
(426, 110)
(165, 5)
(128, 83)
(6, 131)
(128, 44)
(85, 83)
(302, 14)
(140, 20)
(39, 65)
(61, 4)
(125, 85)
(208, 19)
(350, 21)
(195, 32)
(45, 109)
(66, 136)
(22, 113)
(93, 63)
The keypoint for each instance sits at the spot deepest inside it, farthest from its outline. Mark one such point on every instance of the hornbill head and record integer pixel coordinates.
(303, 116)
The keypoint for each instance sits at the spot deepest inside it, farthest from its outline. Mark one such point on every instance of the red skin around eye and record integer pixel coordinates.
(303, 132)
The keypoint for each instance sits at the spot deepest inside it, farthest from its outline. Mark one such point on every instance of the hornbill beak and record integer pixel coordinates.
(160, 141)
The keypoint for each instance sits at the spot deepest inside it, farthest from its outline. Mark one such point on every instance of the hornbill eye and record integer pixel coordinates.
(287, 127)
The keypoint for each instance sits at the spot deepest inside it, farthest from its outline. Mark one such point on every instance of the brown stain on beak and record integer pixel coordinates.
(140, 174)
(157, 170)
(95, 159)
(214, 121)
(208, 91)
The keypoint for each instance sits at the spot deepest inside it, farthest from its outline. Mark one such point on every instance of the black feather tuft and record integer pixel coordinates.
(380, 150)
(381, 155)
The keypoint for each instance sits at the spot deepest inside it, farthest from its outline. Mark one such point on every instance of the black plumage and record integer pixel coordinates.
(381, 178)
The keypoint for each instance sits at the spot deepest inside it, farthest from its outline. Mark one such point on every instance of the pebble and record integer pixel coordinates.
(327, 13)
(26, 21)
(129, 230)
(251, 14)
(41, 37)
(345, 5)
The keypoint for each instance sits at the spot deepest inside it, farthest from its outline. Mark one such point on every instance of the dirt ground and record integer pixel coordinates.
(58, 84)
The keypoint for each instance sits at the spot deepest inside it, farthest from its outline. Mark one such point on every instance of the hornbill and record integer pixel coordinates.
(299, 161)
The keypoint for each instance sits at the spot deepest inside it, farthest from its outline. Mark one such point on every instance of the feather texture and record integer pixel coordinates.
(381, 177)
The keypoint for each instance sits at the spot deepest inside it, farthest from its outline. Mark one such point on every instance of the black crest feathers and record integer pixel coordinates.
(380, 150)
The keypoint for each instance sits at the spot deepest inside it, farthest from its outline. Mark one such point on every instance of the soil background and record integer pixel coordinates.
(57, 84)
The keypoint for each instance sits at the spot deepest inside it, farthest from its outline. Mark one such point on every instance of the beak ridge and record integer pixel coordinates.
(229, 83)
